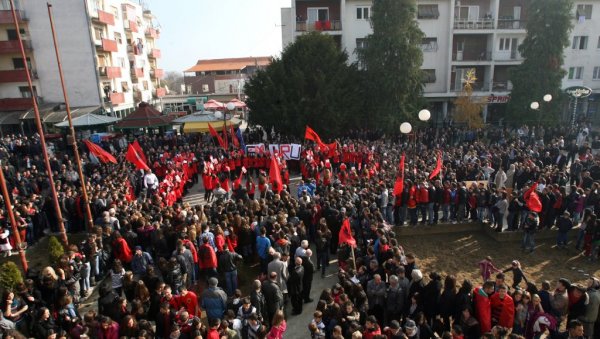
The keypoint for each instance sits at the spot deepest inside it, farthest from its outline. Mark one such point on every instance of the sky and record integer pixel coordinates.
(212, 29)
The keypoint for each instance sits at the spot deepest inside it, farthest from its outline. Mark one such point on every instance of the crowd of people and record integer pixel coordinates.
(160, 264)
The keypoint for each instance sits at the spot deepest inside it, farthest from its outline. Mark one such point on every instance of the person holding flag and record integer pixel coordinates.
(345, 236)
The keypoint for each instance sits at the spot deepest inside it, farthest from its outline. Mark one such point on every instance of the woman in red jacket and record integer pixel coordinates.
(483, 308)
(121, 249)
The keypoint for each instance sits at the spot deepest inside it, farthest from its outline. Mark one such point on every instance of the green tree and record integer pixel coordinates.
(10, 276)
(55, 249)
(392, 59)
(548, 25)
(311, 84)
(468, 109)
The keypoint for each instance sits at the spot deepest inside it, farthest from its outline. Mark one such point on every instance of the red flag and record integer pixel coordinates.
(225, 138)
(345, 236)
(134, 157)
(310, 134)
(399, 184)
(275, 176)
(140, 151)
(234, 138)
(214, 133)
(532, 199)
(99, 152)
(438, 167)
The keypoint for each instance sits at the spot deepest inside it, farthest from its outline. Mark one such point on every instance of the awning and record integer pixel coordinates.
(11, 118)
(89, 119)
(202, 127)
(60, 116)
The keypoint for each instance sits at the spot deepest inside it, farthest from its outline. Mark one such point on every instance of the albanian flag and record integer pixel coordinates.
(134, 157)
(345, 236)
(399, 184)
(532, 199)
(275, 176)
(438, 167)
(214, 133)
(99, 152)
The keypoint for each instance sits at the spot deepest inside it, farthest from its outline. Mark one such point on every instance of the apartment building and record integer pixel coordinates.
(222, 77)
(108, 53)
(459, 35)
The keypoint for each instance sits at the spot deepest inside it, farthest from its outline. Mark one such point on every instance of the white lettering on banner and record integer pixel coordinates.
(287, 151)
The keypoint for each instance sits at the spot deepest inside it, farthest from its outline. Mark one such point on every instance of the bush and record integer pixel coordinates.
(55, 250)
(10, 276)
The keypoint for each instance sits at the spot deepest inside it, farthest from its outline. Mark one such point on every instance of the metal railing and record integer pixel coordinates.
(506, 23)
(472, 56)
(322, 25)
(481, 23)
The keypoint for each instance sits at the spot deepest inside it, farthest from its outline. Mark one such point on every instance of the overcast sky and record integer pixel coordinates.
(211, 29)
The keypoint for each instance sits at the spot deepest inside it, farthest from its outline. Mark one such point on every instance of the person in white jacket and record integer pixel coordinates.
(500, 179)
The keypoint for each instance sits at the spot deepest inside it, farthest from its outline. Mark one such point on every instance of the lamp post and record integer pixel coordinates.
(535, 105)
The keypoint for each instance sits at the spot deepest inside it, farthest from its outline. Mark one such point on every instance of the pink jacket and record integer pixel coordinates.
(277, 332)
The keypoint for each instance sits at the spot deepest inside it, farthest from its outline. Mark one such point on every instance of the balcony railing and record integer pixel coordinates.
(12, 46)
(503, 86)
(106, 18)
(160, 92)
(472, 56)
(16, 75)
(109, 72)
(152, 33)
(511, 24)
(109, 45)
(513, 55)
(6, 16)
(130, 25)
(117, 98)
(481, 23)
(478, 86)
(323, 25)
(137, 72)
(157, 73)
(154, 53)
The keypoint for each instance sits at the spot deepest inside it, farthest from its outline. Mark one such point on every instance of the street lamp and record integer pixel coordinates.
(547, 97)
(534, 105)
(405, 128)
(424, 115)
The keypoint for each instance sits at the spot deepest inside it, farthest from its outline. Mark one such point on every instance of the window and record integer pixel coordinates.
(25, 92)
(429, 45)
(18, 63)
(580, 42)
(504, 44)
(118, 38)
(115, 11)
(145, 85)
(429, 76)
(204, 88)
(98, 33)
(317, 14)
(428, 12)
(596, 75)
(575, 73)
(583, 11)
(362, 13)
(121, 62)
(125, 86)
(361, 43)
(12, 34)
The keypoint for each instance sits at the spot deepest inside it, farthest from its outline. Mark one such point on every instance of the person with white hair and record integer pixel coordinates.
(301, 251)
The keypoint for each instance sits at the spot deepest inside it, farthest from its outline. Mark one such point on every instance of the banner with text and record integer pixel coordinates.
(287, 151)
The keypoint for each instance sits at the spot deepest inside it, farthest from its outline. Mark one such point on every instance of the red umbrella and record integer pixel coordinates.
(238, 103)
(213, 104)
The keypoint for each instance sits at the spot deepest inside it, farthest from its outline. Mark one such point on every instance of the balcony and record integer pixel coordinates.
(106, 18)
(12, 46)
(117, 98)
(109, 72)
(160, 92)
(152, 33)
(109, 45)
(131, 26)
(511, 55)
(6, 17)
(154, 53)
(472, 56)
(15, 75)
(474, 24)
(15, 104)
(137, 72)
(502, 86)
(157, 73)
(323, 25)
(509, 23)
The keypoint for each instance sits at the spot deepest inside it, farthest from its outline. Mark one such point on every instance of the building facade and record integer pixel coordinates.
(222, 77)
(108, 53)
(460, 35)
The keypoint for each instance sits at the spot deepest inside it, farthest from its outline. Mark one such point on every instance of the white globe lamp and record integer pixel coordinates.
(547, 97)
(405, 127)
(218, 115)
(424, 115)
(230, 106)
(535, 105)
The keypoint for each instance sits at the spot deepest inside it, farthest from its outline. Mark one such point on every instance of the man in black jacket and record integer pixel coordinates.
(309, 269)
(294, 285)
(228, 268)
(273, 296)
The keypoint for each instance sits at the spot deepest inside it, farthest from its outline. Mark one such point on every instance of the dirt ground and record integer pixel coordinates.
(460, 253)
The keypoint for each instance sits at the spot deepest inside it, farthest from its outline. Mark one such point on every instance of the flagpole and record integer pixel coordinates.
(86, 200)
(353, 258)
(13, 222)
(40, 129)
